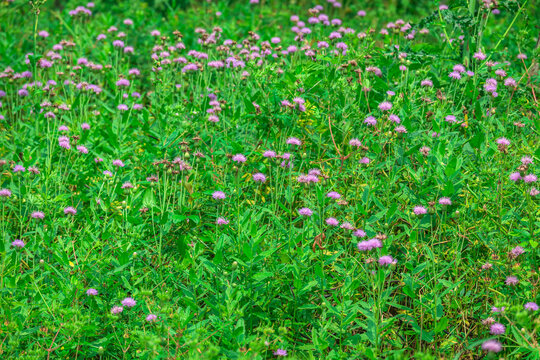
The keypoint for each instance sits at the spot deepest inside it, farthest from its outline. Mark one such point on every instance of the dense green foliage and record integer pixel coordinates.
(421, 143)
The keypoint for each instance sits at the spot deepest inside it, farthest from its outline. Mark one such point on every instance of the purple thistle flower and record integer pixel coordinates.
(5, 193)
(359, 233)
(332, 221)
(218, 195)
(259, 177)
(503, 141)
(38, 215)
(479, 56)
(531, 306)
(123, 107)
(269, 154)
(222, 221)
(239, 158)
(305, 212)
(18, 244)
(19, 168)
(117, 310)
(280, 352)
(151, 318)
(370, 121)
(129, 302)
(530, 178)
(526, 160)
(386, 260)
(355, 142)
(515, 252)
(70, 210)
(91, 292)
(118, 163)
(454, 75)
(333, 195)
(492, 346)
(445, 201)
(497, 329)
(511, 281)
(419, 210)
(385, 106)
(516, 176)
(294, 141)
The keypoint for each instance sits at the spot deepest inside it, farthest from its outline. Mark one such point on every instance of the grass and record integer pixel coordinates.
(396, 215)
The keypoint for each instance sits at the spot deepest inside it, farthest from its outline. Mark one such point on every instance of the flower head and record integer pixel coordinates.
(305, 212)
(91, 292)
(239, 158)
(492, 346)
(70, 210)
(129, 302)
(218, 195)
(497, 329)
(18, 244)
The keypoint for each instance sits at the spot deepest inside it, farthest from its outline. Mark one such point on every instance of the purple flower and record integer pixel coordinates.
(123, 107)
(497, 329)
(347, 226)
(369, 244)
(454, 75)
(122, 82)
(280, 352)
(445, 201)
(5, 193)
(151, 318)
(18, 244)
(355, 142)
(91, 292)
(526, 160)
(118, 163)
(531, 306)
(530, 178)
(370, 121)
(333, 195)
(117, 310)
(516, 176)
(129, 302)
(492, 346)
(222, 221)
(479, 56)
(305, 212)
(359, 233)
(385, 106)
(18, 168)
(70, 210)
(269, 154)
(294, 141)
(503, 141)
(239, 158)
(218, 195)
(511, 281)
(515, 252)
(386, 260)
(332, 221)
(419, 210)
(38, 215)
(259, 177)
